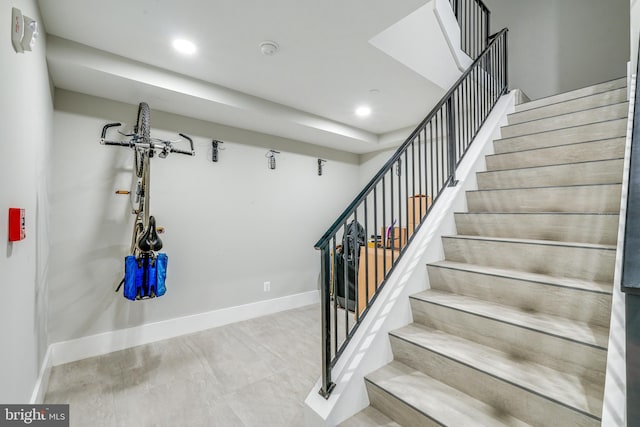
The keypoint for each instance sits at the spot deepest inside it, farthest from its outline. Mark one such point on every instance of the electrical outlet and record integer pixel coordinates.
(267, 286)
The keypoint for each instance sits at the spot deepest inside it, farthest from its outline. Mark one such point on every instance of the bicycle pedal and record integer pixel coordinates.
(123, 192)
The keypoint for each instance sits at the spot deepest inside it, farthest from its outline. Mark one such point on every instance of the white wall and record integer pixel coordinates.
(634, 7)
(26, 114)
(560, 45)
(371, 163)
(230, 226)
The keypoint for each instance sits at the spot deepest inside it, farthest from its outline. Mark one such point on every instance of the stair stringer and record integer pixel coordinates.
(614, 410)
(370, 347)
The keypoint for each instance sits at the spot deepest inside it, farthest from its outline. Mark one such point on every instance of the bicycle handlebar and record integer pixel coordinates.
(150, 145)
(120, 143)
(107, 126)
(193, 152)
(188, 153)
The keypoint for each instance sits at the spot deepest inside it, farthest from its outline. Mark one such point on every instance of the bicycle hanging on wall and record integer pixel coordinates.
(145, 268)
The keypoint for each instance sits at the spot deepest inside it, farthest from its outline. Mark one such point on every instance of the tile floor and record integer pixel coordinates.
(252, 373)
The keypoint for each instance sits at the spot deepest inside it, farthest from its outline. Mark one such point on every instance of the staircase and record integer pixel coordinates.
(514, 328)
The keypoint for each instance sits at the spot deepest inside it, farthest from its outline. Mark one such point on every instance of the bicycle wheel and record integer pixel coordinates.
(143, 132)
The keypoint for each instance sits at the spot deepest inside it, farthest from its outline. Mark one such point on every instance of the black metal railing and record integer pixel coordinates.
(395, 203)
(474, 19)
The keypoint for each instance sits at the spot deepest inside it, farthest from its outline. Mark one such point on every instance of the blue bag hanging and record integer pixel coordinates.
(133, 277)
(137, 270)
(161, 273)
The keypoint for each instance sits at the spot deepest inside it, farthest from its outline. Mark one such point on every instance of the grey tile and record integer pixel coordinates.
(256, 372)
(261, 404)
(182, 402)
(369, 417)
(234, 358)
(89, 403)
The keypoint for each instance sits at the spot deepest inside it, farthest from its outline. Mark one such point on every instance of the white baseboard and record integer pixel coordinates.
(42, 382)
(96, 345)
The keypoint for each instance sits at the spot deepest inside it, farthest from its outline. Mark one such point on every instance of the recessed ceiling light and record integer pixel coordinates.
(184, 46)
(363, 111)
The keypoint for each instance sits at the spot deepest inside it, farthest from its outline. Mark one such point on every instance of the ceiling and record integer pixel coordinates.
(308, 90)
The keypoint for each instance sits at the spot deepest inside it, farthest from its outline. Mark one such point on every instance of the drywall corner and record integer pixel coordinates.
(451, 31)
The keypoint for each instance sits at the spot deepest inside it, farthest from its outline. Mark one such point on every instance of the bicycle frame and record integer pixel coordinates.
(142, 247)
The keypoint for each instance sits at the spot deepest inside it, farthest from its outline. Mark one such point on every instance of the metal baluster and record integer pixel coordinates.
(467, 25)
(391, 219)
(366, 258)
(356, 261)
(375, 249)
(443, 129)
(384, 224)
(475, 30)
(345, 254)
(325, 267)
(431, 159)
(506, 62)
(335, 300)
(413, 180)
(451, 137)
(406, 187)
(419, 179)
(400, 223)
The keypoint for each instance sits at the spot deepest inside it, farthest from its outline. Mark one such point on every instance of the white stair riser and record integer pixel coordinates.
(586, 263)
(576, 304)
(395, 408)
(596, 198)
(599, 114)
(561, 227)
(601, 172)
(504, 396)
(572, 153)
(578, 93)
(569, 106)
(591, 132)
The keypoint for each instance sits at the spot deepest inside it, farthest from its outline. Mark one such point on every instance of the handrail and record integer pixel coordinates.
(398, 199)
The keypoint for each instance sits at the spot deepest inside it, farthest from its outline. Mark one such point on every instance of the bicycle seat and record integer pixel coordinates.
(150, 241)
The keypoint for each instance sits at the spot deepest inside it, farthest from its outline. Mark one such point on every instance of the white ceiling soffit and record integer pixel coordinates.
(307, 91)
(434, 29)
(87, 70)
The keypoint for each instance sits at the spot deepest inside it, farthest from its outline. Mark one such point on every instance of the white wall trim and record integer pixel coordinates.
(96, 345)
(370, 348)
(42, 382)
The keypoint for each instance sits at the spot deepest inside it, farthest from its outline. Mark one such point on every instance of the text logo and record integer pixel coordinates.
(34, 415)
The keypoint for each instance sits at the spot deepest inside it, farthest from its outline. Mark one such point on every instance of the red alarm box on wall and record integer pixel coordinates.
(16, 224)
